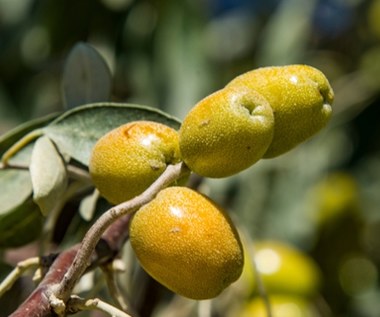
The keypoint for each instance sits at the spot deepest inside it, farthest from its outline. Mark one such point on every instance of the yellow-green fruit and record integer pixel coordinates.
(226, 132)
(187, 243)
(335, 198)
(128, 159)
(281, 306)
(283, 269)
(300, 97)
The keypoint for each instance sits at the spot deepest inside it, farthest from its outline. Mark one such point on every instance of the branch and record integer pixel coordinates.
(106, 237)
(92, 237)
(17, 272)
(76, 304)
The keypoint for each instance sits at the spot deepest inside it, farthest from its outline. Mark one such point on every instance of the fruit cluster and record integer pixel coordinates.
(182, 238)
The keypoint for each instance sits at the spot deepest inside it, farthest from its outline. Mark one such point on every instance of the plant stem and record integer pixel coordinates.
(31, 136)
(17, 272)
(113, 288)
(76, 304)
(63, 290)
(249, 243)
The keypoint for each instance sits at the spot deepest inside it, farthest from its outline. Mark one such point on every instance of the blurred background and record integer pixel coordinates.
(322, 198)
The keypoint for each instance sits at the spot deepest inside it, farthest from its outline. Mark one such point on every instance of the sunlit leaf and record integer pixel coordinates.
(48, 174)
(86, 77)
(76, 131)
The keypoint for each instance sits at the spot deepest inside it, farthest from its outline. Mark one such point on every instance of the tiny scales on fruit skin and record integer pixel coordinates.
(125, 161)
(226, 132)
(300, 97)
(187, 243)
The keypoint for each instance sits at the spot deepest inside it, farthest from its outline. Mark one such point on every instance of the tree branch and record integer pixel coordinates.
(106, 237)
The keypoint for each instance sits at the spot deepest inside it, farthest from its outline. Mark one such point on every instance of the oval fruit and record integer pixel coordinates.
(187, 243)
(300, 97)
(226, 132)
(281, 306)
(283, 269)
(128, 159)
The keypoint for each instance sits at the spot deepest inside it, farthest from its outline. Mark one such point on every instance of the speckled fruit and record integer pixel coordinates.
(125, 161)
(283, 269)
(226, 132)
(187, 243)
(300, 97)
(281, 306)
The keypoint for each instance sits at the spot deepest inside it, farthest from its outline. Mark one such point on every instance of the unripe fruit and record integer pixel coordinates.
(187, 243)
(281, 306)
(283, 269)
(128, 159)
(300, 97)
(226, 132)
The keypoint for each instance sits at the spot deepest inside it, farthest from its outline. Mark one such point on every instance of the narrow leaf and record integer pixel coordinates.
(48, 174)
(86, 77)
(76, 131)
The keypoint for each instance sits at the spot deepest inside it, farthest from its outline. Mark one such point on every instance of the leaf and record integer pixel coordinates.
(86, 77)
(20, 225)
(48, 174)
(12, 136)
(15, 184)
(15, 187)
(76, 131)
(87, 206)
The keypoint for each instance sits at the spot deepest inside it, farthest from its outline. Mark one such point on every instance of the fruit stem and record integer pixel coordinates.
(82, 259)
(24, 141)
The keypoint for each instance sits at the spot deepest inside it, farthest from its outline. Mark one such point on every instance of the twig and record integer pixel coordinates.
(205, 308)
(21, 267)
(64, 272)
(249, 243)
(92, 237)
(113, 288)
(76, 304)
(31, 136)
(259, 281)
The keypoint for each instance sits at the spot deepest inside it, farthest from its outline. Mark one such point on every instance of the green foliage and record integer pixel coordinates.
(74, 132)
(170, 55)
(86, 77)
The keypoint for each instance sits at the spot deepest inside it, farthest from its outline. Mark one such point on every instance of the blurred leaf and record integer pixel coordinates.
(76, 131)
(12, 136)
(285, 36)
(88, 205)
(48, 173)
(20, 225)
(86, 77)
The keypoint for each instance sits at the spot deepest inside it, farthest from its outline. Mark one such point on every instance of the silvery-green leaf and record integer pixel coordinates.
(48, 174)
(15, 184)
(77, 130)
(86, 77)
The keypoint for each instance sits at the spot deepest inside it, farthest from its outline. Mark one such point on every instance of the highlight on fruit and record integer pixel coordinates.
(187, 243)
(128, 159)
(300, 96)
